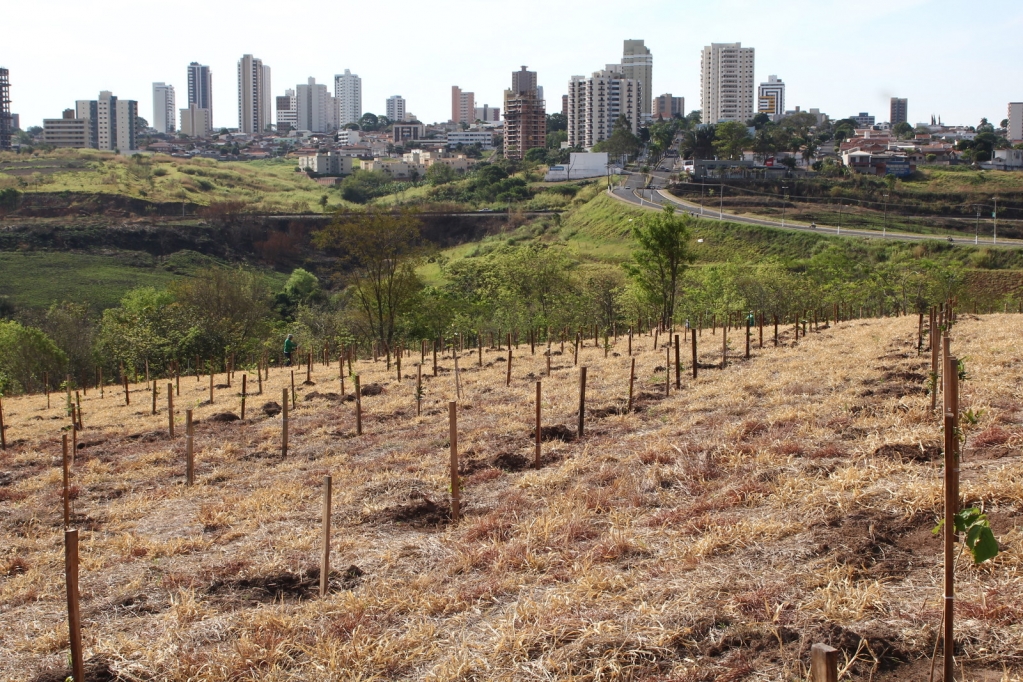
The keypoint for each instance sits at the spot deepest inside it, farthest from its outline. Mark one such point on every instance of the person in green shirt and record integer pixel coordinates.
(289, 348)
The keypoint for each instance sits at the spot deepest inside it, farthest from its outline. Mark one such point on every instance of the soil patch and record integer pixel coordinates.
(97, 669)
(555, 432)
(511, 461)
(271, 409)
(910, 452)
(223, 417)
(910, 377)
(315, 395)
(421, 513)
(269, 588)
(371, 389)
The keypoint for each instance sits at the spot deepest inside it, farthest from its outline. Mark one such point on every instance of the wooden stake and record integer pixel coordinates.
(259, 378)
(532, 342)
(435, 358)
(358, 407)
(456, 495)
(147, 371)
(632, 380)
(507, 381)
(189, 449)
(74, 617)
(66, 464)
(630, 340)
(934, 360)
(548, 356)
(724, 347)
(177, 379)
(153, 391)
(536, 455)
(951, 505)
(244, 387)
(458, 380)
(749, 331)
(480, 348)
(284, 424)
(419, 390)
(397, 362)
(294, 396)
(694, 357)
(127, 397)
(3, 434)
(761, 326)
(582, 401)
(325, 546)
(824, 663)
(575, 359)
(667, 370)
(170, 411)
(678, 364)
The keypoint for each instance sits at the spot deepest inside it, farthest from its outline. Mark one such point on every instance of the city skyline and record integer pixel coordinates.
(820, 69)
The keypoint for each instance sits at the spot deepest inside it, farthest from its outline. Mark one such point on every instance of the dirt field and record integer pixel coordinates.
(713, 535)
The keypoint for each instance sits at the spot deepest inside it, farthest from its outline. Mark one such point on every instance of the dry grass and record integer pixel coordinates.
(713, 535)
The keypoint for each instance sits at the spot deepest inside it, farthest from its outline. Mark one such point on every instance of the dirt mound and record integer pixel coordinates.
(97, 669)
(271, 409)
(308, 382)
(223, 417)
(555, 432)
(511, 461)
(315, 395)
(911, 452)
(269, 588)
(371, 389)
(605, 412)
(912, 377)
(421, 513)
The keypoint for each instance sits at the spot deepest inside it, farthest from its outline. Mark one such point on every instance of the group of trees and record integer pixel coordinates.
(379, 296)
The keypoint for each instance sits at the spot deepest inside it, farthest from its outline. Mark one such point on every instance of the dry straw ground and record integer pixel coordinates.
(713, 535)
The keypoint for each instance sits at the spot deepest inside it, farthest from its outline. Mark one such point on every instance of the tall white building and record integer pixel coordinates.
(196, 122)
(348, 95)
(596, 103)
(253, 95)
(1015, 131)
(287, 111)
(267, 106)
(726, 82)
(164, 109)
(771, 97)
(112, 121)
(395, 109)
(200, 87)
(314, 108)
(638, 64)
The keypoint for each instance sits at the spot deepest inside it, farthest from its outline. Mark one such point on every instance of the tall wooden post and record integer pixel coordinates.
(74, 618)
(695, 363)
(632, 381)
(244, 391)
(824, 663)
(934, 359)
(951, 474)
(630, 340)
(536, 455)
(575, 358)
(284, 423)
(358, 407)
(582, 401)
(294, 396)
(3, 435)
(775, 331)
(189, 449)
(419, 390)
(127, 396)
(456, 494)
(678, 364)
(325, 545)
(435, 357)
(724, 346)
(761, 326)
(170, 411)
(153, 390)
(667, 369)
(507, 381)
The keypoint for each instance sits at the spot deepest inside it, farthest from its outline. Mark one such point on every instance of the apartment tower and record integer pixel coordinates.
(899, 111)
(771, 97)
(463, 106)
(314, 108)
(200, 87)
(253, 94)
(6, 126)
(348, 95)
(726, 82)
(1015, 131)
(596, 103)
(112, 122)
(164, 110)
(666, 106)
(638, 65)
(525, 117)
(286, 111)
(395, 108)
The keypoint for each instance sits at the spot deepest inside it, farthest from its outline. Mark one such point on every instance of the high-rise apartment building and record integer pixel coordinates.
(666, 106)
(1015, 131)
(487, 114)
(286, 111)
(112, 122)
(596, 103)
(164, 108)
(253, 94)
(638, 65)
(463, 105)
(314, 108)
(771, 97)
(6, 122)
(200, 87)
(395, 108)
(726, 82)
(525, 116)
(899, 111)
(196, 122)
(348, 95)
(267, 105)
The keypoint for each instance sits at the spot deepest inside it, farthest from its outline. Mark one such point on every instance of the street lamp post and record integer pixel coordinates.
(884, 229)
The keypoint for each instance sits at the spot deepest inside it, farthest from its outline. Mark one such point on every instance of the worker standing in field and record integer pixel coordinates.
(751, 320)
(289, 348)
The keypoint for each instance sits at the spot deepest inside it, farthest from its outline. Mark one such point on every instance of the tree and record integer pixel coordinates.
(226, 308)
(302, 286)
(698, 143)
(72, 328)
(904, 130)
(556, 121)
(623, 142)
(731, 139)
(28, 353)
(380, 251)
(440, 174)
(663, 254)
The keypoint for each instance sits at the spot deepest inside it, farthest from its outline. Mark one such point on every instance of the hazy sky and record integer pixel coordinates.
(959, 59)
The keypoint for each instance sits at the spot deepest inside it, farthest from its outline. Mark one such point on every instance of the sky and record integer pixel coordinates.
(958, 60)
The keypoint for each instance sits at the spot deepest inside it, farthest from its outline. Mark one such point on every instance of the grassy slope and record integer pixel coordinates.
(714, 535)
(271, 185)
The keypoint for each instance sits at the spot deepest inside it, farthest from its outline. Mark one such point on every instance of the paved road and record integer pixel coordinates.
(634, 190)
